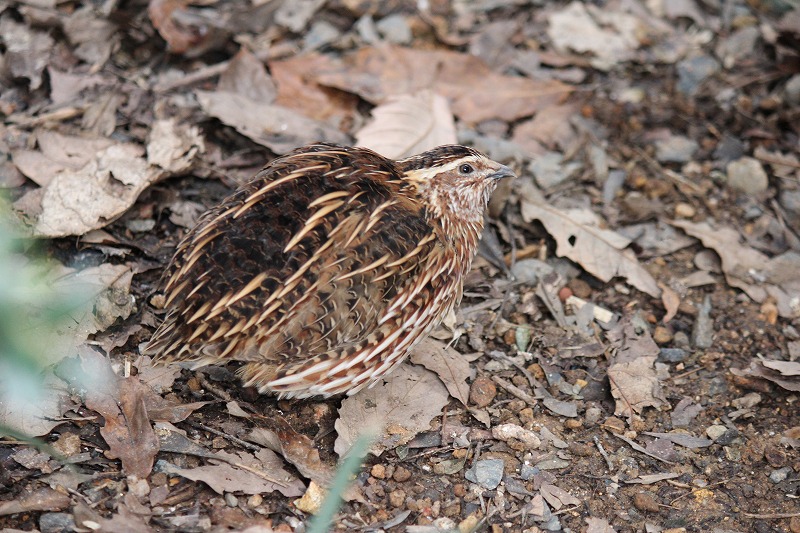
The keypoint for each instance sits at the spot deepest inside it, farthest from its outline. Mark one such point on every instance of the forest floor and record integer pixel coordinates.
(627, 353)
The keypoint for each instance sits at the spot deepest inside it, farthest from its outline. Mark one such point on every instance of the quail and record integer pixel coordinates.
(322, 273)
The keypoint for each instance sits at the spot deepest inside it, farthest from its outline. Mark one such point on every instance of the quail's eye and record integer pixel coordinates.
(466, 169)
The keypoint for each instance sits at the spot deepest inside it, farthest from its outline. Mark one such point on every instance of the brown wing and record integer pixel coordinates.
(297, 266)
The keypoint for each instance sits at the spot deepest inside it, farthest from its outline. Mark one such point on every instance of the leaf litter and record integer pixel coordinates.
(94, 130)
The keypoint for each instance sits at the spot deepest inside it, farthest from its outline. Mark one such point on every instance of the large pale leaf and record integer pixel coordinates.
(409, 124)
(580, 237)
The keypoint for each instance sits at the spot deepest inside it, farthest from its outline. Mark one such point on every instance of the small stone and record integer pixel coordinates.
(231, 500)
(401, 474)
(469, 524)
(397, 497)
(662, 335)
(716, 431)
(395, 29)
(254, 501)
(747, 401)
(530, 271)
(684, 210)
(775, 456)
(747, 175)
(311, 500)
(56, 522)
(644, 501)
(776, 476)
(794, 524)
(790, 201)
(378, 471)
(482, 391)
(592, 416)
(675, 149)
(68, 444)
(572, 423)
(488, 473)
(580, 288)
(671, 355)
(681, 340)
(693, 71)
(792, 90)
(459, 490)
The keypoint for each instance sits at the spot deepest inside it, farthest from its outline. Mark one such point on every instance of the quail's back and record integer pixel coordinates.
(325, 270)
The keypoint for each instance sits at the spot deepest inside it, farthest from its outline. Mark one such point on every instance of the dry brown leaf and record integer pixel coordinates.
(580, 237)
(448, 363)
(174, 147)
(633, 379)
(409, 124)
(26, 52)
(127, 429)
(44, 499)
(746, 268)
(671, 301)
(475, 91)
(401, 405)
(77, 201)
(296, 90)
(550, 127)
(609, 36)
(242, 472)
(33, 411)
(56, 154)
(247, 76)
(278, 128)
(557, 497)
(759, 369)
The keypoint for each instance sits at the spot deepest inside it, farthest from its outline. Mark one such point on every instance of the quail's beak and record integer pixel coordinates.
(502, 172)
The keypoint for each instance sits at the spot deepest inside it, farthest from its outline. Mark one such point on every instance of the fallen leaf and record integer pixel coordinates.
(476, 92)
(649, 479)
(598, 525)
(278, 128)
(32, 406)
(127, 429)
(757, 369)
(94, 38)
(44, 499)
(550, 127)
(610, 37)
(402, 405)
(409, 124)
(56, 154)
(174, 147)
(76, 201)
(247, 76)
(759, 276)
(557, 497)
(580, 237)
(682, 439)
(297, 90)
(241, 472)
(26, 52)
(296, 15)
(631, 372)
(448, 363)
(671, 301)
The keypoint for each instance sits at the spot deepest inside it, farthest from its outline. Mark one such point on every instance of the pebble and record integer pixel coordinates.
(792, 90)
(580, 288)
(592, 416)
(254, 501)
(378, 471)
(790, 201)
(775, 456)
(738, 45)
(703, 329)
(395, 29)
(397, 497)
(644, 501)
(488, 473)
(530, 270)
(694, 71)
(675, 149)
(681, 340)
(482, 391)
(716, 431)
(794, 524)
(747, 175)
(56, 522)
(401, 474)
(552, 464)
(662, 335)
(672, 355)
(776, 476)
(747, 401)
(231, 500)
(684, 210)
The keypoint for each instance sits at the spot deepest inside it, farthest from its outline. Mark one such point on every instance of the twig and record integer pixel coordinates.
(701, 488)
(604, 453)
(231, 438)
(515, 391)
(639, 449)
(771, 515)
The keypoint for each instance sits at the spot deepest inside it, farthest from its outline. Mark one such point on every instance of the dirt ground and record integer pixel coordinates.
(626, 356)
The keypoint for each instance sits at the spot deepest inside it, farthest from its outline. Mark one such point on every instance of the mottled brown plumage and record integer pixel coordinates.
(325, 270)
